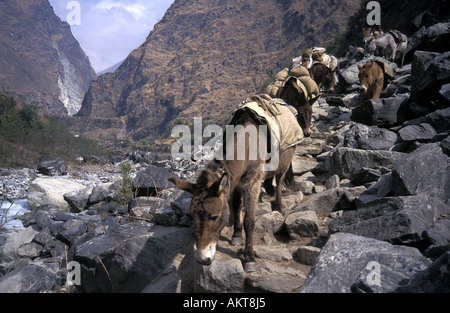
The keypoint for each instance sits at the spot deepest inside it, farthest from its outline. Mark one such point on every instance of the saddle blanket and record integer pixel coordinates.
(279, 116)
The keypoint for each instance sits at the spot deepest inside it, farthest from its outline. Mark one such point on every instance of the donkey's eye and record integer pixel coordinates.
(214, 217)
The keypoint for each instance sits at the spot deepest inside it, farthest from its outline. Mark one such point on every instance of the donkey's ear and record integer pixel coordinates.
(183, 184)
(222, 184)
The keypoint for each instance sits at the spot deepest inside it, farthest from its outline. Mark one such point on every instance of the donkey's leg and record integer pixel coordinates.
(251, 202)
(278, 195)
(236, 203)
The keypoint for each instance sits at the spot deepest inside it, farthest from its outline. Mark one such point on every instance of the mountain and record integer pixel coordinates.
(202, 59)
(110, 69)
(40, 60)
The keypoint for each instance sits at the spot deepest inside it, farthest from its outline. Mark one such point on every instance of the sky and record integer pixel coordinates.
(108, 30)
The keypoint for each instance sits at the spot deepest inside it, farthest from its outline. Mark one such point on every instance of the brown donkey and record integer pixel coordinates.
(227, 182)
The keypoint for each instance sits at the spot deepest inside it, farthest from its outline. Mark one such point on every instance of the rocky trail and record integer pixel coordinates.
(371, 214)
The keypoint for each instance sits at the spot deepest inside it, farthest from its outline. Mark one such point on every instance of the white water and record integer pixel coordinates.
(13, 211)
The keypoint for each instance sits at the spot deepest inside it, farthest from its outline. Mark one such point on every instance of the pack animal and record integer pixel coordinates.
(371, 78)
(298, 97)
(233, 182)
(384, 46)
(323, 76)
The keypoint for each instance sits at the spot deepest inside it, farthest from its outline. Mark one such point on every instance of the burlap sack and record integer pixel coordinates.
(274, 88)
(281, 75)
(310, 85)
(299, 71)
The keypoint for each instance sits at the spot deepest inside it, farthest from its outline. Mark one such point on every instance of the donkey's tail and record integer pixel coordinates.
(289, 181)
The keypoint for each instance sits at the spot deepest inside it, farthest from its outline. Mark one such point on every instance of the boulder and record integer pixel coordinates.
(349, 262)
(425, 170)
(269, 223)
(399, 220)
(381, 112)
(78, 200)
(273, 277)
(307, 255)
(29, 279)
(324, 202)
(347, 162)
(273, 253)
(14, 241)
(364, 137)
(53, 167)
(48, 190)
(151, 181)
(421, 132)
(221, 276)
(127, 257)
(438, 233)
(435, 279)
(302, 224)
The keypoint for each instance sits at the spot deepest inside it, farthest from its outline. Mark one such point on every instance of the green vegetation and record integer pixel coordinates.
(26, 136)
(125, 192)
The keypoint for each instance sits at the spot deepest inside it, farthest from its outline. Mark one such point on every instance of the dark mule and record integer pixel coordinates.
(294, 95)
(371, 79)
(323, 76)
(229, 181)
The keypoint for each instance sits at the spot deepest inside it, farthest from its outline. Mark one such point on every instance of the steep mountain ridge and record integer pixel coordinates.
(40, 60)
(203, 58)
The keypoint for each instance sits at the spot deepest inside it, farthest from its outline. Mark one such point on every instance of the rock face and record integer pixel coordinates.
(41, 61)
(202, 58)
(353, 263)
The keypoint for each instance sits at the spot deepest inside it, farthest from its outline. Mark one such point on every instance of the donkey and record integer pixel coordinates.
(294, 95)
(371, 78)
(225, 182)
(384, 46)
(323, 76)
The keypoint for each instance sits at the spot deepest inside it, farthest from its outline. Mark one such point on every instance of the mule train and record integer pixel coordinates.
(230, 184)
(388, 45)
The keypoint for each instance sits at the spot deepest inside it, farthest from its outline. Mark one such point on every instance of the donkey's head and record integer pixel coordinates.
(294, 95)
(209, 209)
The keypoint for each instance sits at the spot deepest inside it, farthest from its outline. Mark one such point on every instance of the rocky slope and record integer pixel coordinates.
(201, 59)
(41, 61)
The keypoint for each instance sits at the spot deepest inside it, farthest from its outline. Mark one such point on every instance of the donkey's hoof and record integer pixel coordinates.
(250, 267)
(236, 241)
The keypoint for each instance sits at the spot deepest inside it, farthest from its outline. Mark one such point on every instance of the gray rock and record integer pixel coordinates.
(273, 253)
(346, 162)
(151, 181)
(272, 277)
(347, 259)
(435, 279)
(364, 137)
(323, 202)
(53, 167)
(221, 276)
(307, 255)
(269, 223)
(127, 257)
(29, 250)
(421, 132)
(381, 112)
(438, 233)
(445, 145)
(302, 224)
(29, 279)
(399, 220)
(13, 242)
(426, 170)
(78, 200)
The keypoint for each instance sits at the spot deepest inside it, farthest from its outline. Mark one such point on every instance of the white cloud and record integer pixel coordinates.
(111, 29)
(135, 9)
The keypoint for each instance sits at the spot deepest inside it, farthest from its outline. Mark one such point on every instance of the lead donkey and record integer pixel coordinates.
(227, 181)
